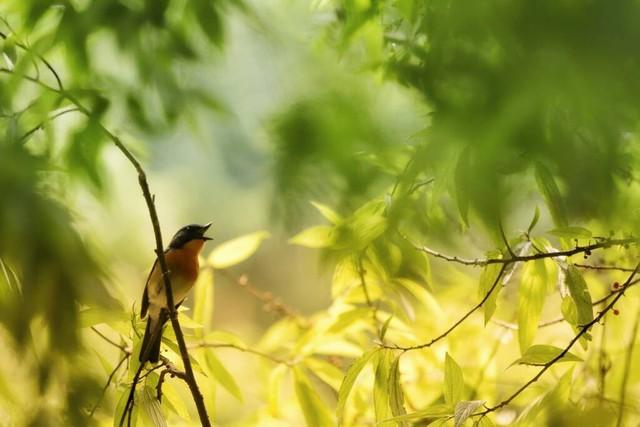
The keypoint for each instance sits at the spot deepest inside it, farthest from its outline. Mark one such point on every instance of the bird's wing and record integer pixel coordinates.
(145, 293)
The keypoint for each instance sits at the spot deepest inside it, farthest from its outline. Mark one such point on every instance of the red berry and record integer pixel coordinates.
(616, 311)
(616, 285)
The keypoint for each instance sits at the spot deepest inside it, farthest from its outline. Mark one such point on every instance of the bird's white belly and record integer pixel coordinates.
(158, 297)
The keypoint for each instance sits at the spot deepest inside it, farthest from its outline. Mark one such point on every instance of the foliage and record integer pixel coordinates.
(516, 198)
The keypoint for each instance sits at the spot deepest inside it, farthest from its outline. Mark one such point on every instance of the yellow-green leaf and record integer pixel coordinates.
(381, 390)
(327, 212)
(316, 413)
(531, 298)
(396, 395)
(552, 196)
(464, 409)
(349, 379)
(453, 381)
(435, 411)
(488, 279)
(203, 301)
(540, 355)
(220, 373)
(320, 236)
(235, 251)
(580, 295)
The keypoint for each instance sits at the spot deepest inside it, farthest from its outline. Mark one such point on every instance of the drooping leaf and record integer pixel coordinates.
(531, 296)
(151, 410)
(316, 413)
(320, 236)
(349, 379)
(396, 395)
(235, 251)
(276, 379)
(326, 371)
(483, 422)
(530, 416)
(221, 374)
(381, 388)
(464, 409)
(327, 212)
(488, 279)
(453, 381)
(533, 223)
(552, 196)
(580, 295)
(540, 355)
(203, 301)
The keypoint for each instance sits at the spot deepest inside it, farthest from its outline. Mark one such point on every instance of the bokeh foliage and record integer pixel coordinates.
(525, 143)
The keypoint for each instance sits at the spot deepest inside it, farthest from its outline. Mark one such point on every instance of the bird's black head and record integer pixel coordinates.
(188, 233)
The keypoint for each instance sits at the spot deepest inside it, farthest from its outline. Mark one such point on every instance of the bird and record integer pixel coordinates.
(182, 263)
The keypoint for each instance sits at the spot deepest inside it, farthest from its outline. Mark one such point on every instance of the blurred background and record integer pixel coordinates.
(449, 122)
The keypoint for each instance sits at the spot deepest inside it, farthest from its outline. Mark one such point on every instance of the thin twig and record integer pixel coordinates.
(28, 133)
(106, 386)
(122, 347)
(583, 330)
(245, 350)
(456, 324)
(604, 267)
(480, 262)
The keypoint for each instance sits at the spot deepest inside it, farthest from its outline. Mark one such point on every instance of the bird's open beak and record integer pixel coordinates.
(204, 230)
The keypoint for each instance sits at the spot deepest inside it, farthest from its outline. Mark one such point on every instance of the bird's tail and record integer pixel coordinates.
(150, 348)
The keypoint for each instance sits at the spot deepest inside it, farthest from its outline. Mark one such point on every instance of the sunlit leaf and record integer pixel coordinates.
(327, 212)
(434, 411)
(235, 251)
(151, 408)
(349, 379)
(580, 295)
(453, 381)
(488, 279)
(540, 355)
(464, 409)
(551, 193)
(531, 296)
(381, 387)
(396, 395)
(320, 236)
(221, 374)
(203, 300)
(316, 413)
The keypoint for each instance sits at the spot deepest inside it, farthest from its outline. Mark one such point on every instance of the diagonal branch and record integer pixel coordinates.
(459, 322)
(583, 330)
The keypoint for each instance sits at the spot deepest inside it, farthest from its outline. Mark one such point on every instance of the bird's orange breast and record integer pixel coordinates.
(184, 261)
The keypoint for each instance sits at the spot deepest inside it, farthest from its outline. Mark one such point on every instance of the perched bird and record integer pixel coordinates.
(183, 266)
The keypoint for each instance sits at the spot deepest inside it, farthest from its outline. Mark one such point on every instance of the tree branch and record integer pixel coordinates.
(456, 324)
(480, 262)
(583, 330)
(155, 223)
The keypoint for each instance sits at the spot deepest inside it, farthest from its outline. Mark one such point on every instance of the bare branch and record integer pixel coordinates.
(245, 350)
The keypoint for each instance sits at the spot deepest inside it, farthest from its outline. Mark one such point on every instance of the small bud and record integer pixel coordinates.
(616, 285)
(616, 311)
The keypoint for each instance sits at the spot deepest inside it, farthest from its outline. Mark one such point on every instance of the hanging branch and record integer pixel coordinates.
(155, 223)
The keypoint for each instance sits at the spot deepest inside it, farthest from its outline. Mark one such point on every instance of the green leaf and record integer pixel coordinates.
(327, 212)
(320, 236)
(349, 379)
(435, 411)
(530, 416)
(385, 327)
(276, 379)
(580, 295)
(488, 278)
(453, 381)
(462, 178)
(235, 251)
(315, 411)
(151, 408)
(540, 355)
(551, 193)
(571, 232)
(532, 224)
(327, 372)
(220, 373)
(175, 399)
(531, 298)
(203, 301)
(381, 387)
(396, 395)
(464, 409)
